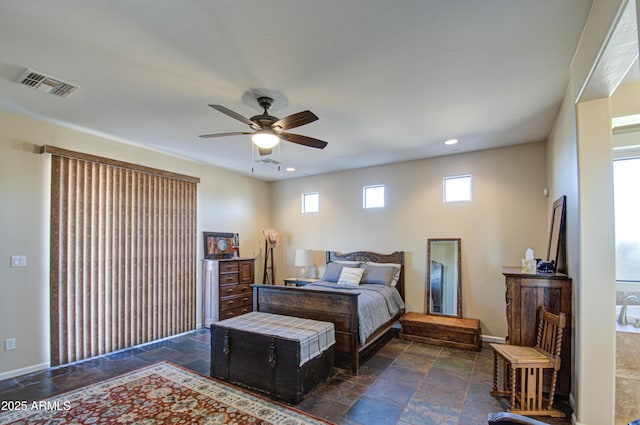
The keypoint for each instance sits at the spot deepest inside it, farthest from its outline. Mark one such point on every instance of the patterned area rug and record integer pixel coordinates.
(158, 394)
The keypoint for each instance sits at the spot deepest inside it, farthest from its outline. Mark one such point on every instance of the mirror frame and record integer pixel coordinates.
(427, 300)
(556, 250)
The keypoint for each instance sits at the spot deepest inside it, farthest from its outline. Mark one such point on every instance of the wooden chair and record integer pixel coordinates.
(524, 368)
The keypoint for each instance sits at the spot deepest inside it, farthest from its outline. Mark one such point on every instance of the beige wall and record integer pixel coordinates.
(579, 165)
(596, 291)
(626, 100)
(226, 202)
(507, 215)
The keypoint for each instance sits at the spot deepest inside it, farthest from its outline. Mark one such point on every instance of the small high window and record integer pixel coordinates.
(373, 196)
(310, 202)
(457, 188)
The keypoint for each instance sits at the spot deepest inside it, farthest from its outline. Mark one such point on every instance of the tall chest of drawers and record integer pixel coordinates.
(226, 288)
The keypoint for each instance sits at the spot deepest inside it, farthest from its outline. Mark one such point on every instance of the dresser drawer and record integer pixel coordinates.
(228, 266)
(227, 314)
(229, 290)
(228, 278)
(235, 301)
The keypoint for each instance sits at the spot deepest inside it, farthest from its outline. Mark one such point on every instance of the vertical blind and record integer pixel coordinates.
(123, 255)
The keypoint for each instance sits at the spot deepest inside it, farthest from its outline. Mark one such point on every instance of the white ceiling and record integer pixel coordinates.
(389, 80)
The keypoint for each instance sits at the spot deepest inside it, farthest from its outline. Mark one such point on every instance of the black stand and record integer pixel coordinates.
(267, 276)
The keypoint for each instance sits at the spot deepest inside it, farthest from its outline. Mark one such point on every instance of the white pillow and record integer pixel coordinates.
(396, 278)
(350, 276)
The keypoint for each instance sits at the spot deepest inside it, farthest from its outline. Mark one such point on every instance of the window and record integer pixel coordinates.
(373, 196)
(626, 174)
(310, 202)
(457, 188)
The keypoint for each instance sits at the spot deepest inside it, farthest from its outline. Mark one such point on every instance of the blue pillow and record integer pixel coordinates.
(332, 272)
(378, 275)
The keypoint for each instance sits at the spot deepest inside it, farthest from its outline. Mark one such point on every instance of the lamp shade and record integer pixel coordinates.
(304, 258)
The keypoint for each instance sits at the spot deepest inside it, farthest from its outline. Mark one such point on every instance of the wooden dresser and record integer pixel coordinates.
(226, 288)
(525, 294)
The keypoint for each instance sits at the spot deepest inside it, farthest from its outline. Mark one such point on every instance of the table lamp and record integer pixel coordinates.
(303, 259)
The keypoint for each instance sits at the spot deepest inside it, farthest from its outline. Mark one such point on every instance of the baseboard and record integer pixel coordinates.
(572, 403)
(490, 338)
(574, 421)
(23, 371)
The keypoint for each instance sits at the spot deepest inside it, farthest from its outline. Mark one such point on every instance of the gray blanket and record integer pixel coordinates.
(377, 304)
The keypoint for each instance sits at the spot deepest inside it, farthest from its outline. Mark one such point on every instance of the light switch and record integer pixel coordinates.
(18, 261)
(9, 344)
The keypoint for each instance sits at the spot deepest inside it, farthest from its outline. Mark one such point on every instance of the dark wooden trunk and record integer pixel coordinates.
(266, 364)
(454, 332)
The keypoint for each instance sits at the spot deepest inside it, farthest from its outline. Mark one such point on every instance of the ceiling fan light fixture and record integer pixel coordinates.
(265, 139)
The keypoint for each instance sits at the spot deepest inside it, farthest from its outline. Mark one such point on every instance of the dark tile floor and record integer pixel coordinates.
(402, 382)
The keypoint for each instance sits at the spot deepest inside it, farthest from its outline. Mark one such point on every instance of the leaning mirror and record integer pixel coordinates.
(556, 250)
(443, 294)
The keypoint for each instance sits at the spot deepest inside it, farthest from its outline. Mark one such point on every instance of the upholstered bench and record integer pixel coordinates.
(280, 356)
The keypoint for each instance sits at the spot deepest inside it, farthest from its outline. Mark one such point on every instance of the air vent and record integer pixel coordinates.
(46, 84)
(268, 161)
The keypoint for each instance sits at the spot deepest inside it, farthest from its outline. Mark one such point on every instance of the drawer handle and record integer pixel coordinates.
(229, 291)
(272, 354)
(231, 302)
(225, 348)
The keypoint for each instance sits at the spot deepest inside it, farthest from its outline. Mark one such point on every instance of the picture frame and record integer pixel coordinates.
(219, 245)
(556, 250)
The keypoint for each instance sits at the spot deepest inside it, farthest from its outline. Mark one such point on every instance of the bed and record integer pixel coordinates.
(339, 304)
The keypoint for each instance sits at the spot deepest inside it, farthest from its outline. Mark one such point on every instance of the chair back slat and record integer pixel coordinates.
(550, 331)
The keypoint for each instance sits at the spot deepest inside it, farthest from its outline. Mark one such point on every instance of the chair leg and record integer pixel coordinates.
(512, 376)
(552, 389)
(494, 387)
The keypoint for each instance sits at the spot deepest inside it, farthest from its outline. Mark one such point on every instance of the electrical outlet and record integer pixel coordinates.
(18, 261)
(9, 344)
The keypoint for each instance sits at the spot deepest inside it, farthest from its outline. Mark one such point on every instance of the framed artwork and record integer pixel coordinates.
(220, 245)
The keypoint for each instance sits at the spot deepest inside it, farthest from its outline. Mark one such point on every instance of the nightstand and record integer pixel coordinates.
(299, 281)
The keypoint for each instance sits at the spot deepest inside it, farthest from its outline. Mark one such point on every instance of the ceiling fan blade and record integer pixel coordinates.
(303, 140)
(236, 116)
(295, 120)
(235, 133)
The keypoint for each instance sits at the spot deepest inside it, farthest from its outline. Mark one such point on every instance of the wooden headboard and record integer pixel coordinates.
(396, 257)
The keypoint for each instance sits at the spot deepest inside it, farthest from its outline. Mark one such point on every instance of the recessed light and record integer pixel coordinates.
(290, 169)
(451, 142)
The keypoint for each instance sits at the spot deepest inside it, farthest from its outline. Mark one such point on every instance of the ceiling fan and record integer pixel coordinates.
(269, 130)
